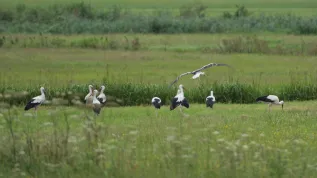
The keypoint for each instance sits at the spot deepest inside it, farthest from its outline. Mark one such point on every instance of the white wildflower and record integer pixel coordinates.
(215, 132)
(212, 150)
(46, 124)
(21, 152)
(245, 135)
(170, 138)
(111, 147)
(245, 147)
(220, 140)
(28, 115)
(134, 132)
(99, 150)
(187, 156)
(262, 135)
(72, 139)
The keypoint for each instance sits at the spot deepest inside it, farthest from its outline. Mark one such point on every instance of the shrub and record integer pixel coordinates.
(247, 44)
(195, 9)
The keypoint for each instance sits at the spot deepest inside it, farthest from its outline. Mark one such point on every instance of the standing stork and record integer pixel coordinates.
(89, 96)
(271, 100)
(156, 102)
(102, 97)
(210, 100)
(36, 101)
(96, 105)
(179, 99)
(197, 73)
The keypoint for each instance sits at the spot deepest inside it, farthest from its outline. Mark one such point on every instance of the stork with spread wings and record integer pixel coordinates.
(197, 73)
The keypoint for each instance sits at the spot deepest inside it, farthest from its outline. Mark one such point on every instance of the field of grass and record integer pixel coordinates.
(165, 4)
(232, 140)
(214, 7)
(116, 47)
(61, 67)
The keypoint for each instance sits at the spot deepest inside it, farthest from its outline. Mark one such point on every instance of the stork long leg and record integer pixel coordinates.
(35, 111)
(156, 112)
(180, 109)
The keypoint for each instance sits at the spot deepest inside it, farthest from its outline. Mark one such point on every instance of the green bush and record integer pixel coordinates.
(80, 18)
(132, 94)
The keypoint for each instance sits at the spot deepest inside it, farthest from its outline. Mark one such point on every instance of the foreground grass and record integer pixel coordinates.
(54, 68)
(230, 140)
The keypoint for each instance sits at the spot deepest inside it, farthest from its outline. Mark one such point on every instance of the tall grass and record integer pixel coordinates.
(133, 94)
(129, 142)
(81, 18)
(238, 44)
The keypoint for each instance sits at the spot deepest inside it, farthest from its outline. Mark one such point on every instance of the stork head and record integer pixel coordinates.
(102, 88)
(42, 90)
(282, 103)
(95, 93)
(181, 87)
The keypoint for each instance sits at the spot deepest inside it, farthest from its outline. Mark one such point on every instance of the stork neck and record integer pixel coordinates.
(211, 93)
(42, 93)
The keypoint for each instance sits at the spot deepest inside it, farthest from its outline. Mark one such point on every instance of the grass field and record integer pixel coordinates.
(230, 140)
(144, 4)
(215, 7)
(61, 67)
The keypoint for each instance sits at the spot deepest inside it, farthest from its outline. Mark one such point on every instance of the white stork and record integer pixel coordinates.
(89, 96)
(156, 102)
(270, 99)
(36, 101)
(210, 100)
(197, 73)
(96, 103)
(102, 97)
(179, 99)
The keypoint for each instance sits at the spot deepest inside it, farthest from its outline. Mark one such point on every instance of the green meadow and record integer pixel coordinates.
(231, 140)
(136, 49)
(62, 67)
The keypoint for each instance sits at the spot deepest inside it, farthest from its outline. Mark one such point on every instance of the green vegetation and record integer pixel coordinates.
(81, 18)
(136, 48)
(245, 43)
(165, 4)
(229, 141)
(136, 76)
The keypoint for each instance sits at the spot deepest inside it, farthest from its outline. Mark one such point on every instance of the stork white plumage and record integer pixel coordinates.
(197, 73)
(36, 101)
(89, 96)
(210, 100)
(156, 102)
(102, 97)
(179, 99)
(271, 100)
(96, 103)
